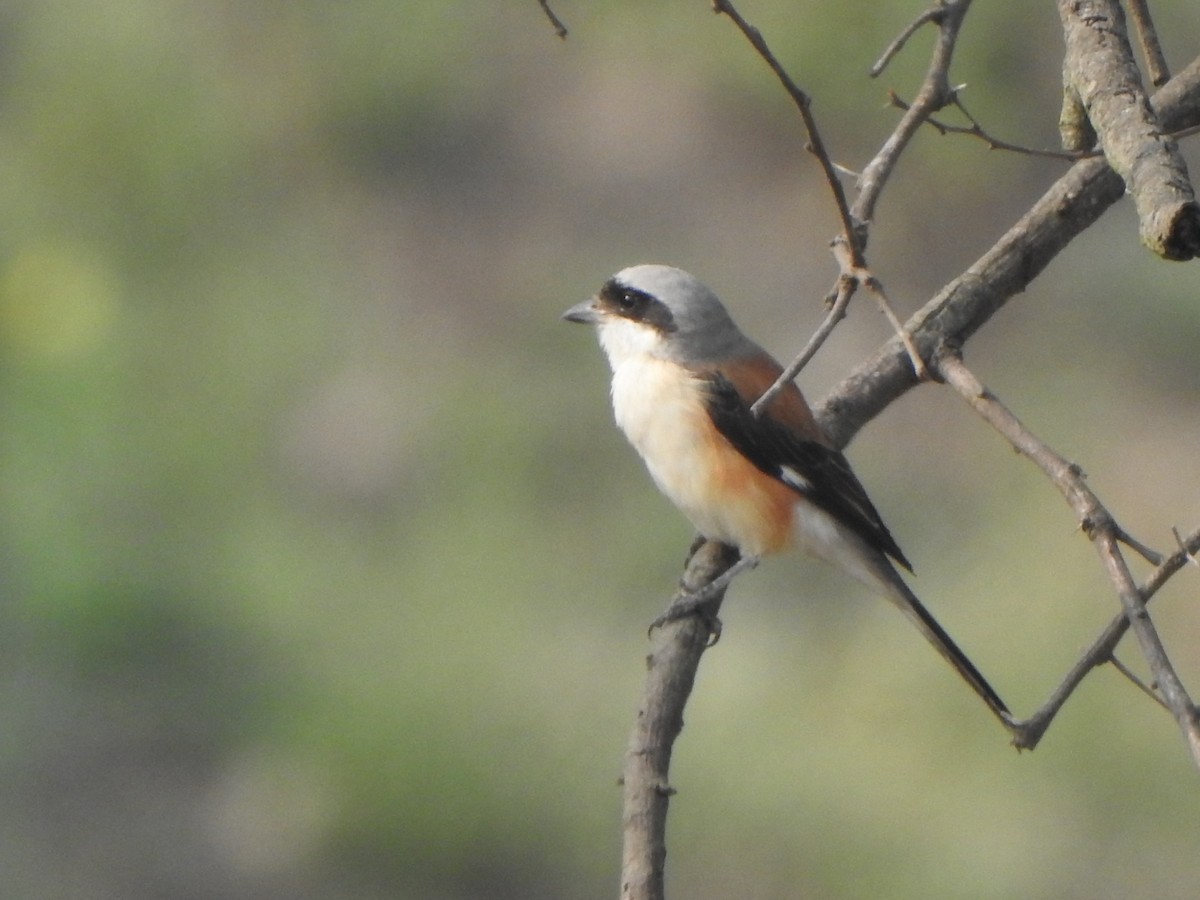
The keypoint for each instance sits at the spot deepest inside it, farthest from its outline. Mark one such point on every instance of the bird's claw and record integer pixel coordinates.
(690, 605)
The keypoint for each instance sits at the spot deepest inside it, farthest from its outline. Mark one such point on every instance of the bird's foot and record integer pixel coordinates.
(698, 603)
(694, 604)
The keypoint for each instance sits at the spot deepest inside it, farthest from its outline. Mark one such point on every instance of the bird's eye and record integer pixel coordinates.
(625, 300)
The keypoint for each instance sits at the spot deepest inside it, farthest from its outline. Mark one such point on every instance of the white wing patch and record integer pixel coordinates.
(794, 478)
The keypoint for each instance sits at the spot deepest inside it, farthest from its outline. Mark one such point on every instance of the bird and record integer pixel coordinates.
(684, 381)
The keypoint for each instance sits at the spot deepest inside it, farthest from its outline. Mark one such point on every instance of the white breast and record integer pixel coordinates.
(654, 403)
(658, 405)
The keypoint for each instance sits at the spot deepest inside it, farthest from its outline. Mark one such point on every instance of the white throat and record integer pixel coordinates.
(624, 341)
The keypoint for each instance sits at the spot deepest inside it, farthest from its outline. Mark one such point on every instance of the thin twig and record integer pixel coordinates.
(837, 312)
(804, 105)
(873, 285)
(559, 28)
(977, 131)
(1133, 679)
(932, 96)
(1071, 205)
(1189, 555)
(1149, 554)
(1100, 527)
(846, 286)
(849, 246)
(933, 14)
(1173, 692)
(1189, 546)
(1148, 38)
(1028, 732)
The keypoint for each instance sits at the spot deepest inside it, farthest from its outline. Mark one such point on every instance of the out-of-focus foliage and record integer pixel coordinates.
(324, 572)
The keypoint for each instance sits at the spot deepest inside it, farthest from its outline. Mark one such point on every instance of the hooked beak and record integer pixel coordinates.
(584, 313)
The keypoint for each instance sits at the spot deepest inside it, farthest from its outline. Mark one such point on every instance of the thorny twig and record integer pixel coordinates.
(1030, 730)
(849, 246)
(933, 95)
(804, 104)
(977, 131)
(1100, 527)
(1133, 679)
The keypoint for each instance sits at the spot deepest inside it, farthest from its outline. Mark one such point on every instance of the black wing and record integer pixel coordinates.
(818, 472)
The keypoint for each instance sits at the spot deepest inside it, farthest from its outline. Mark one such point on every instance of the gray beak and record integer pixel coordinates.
(584, 313)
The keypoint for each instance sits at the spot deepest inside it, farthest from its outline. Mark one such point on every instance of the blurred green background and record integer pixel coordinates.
(324, 571)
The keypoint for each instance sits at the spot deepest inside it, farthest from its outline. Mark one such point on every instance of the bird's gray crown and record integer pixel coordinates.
(694, 322)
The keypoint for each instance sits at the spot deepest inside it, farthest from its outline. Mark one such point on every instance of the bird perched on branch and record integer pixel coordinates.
(684, 381)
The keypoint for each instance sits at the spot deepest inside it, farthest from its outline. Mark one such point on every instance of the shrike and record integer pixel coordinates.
(684, 381)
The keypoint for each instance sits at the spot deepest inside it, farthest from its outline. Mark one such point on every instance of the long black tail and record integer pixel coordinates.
(899, 593)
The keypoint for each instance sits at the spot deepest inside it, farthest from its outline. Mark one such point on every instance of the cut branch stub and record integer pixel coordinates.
(1103, 96)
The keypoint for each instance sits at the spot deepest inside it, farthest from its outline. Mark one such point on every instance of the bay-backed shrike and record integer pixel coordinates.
(684, 380)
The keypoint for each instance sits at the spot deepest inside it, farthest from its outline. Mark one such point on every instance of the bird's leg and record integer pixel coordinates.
(695, 603)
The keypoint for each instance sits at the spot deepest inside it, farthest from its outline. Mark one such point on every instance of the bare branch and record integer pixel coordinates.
(1132, 678)
(933, 14)
(837, 311)
(933, 95)
(959, 309)
(977, 131)
(1029, 731)
(1148, 38)
(1075, 202)
(1066, 476)
(1173, 692)
(804, 105)
(849, 247)
(1098, 523)
(1189, 554)
(670, 674)
(1101, 81)
(920, 370)
(1189, 546)
(559, 28)
(848, 282)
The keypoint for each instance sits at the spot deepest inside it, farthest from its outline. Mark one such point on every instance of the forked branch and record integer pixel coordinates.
(849, 247)
(1104, 100)
(1100, 526)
